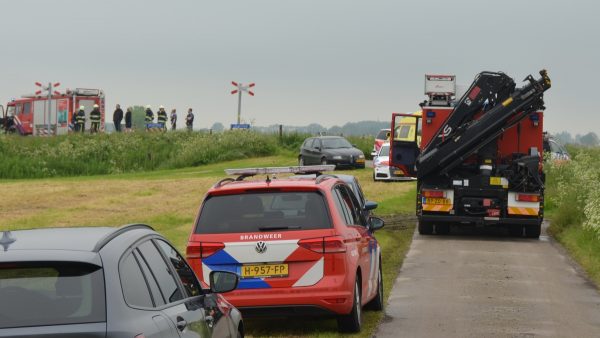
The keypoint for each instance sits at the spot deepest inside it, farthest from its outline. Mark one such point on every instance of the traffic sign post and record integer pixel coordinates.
(50, 92)
(241, 88)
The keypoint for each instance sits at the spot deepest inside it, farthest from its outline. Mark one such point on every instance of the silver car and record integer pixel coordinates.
(127, 282)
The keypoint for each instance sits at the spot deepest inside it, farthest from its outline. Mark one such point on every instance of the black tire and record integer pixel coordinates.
(352, 322)
(374, 178)
(533, 231)
(425, 228)
(300, 161)
(377, 303)
(442, 229)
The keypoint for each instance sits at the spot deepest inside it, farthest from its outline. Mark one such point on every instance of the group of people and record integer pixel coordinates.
(78, 119)
(161, 118)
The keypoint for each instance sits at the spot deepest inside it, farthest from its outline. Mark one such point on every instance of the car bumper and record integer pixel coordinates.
(331, 295)
(386, 173)
(346, 163)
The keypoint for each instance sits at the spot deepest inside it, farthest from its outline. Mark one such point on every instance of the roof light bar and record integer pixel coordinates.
(281, 170)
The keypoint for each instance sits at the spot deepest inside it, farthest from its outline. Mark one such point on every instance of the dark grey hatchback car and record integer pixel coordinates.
(334, 150)
(126, 282)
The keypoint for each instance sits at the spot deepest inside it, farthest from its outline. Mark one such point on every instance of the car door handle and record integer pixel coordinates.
(181, 323)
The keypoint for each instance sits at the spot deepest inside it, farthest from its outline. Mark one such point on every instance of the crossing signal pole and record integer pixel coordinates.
(50, 91)
(239, 89)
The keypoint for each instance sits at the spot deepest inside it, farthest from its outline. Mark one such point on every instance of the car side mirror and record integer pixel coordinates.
(375, 223)
(223, 281)
(354, 145)
(370, 205)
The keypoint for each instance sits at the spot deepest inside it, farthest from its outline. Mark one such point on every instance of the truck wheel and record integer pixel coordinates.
(533, 231)
(442, 229)
(351, 322)
(425, 228)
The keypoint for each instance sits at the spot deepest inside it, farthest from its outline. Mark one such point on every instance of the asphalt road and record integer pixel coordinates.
(482, 283)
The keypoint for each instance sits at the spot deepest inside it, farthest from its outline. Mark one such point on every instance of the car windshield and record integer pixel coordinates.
(50, 293)
(335, 143)
(263, 211)
(382, 135)
(384, 151)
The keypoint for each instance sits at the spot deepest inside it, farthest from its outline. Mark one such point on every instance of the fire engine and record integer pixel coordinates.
(480, 158)
(31, 114)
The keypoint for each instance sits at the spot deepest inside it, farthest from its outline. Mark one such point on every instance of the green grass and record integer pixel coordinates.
(573, 207)
(168, 199)
(584, 247)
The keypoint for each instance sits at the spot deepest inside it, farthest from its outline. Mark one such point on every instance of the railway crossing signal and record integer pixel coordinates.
(50, 91)
(239, 89)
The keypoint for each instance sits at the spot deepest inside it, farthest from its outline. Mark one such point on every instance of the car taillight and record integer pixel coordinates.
(528, 197)
(203, 249)
(432, 193)
(324, 244)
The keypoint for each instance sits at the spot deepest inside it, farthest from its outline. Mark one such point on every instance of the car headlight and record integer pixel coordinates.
(337, 157)
(361, 156)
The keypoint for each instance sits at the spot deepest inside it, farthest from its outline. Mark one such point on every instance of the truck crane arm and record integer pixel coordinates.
(487, 89)
(468, 137)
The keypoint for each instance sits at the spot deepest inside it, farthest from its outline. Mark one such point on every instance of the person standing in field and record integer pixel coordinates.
(149, 117)
(128, 120)
(81, 119)
(173, 119)
(95, 117)
(74, 121)
(189, 120)
(161, 117)
(117, 118)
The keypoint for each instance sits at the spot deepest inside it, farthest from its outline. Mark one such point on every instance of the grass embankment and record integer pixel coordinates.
(100, 154)
(573, 206)
(168, 200)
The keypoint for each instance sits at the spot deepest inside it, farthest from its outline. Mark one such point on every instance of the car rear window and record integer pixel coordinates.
(39, 294)
(263, 211)
(382, 135)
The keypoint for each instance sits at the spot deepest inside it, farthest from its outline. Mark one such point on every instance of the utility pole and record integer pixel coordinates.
(241, 88)
(49, 110)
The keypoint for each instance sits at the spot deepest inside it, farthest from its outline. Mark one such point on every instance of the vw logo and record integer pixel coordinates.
(261, 247)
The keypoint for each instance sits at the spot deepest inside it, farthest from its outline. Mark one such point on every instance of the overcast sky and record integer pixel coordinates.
(322, 61)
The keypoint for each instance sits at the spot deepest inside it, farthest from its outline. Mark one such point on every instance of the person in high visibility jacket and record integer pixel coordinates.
(81, 119)
(149, 117)
(95, 117)
(161, 117)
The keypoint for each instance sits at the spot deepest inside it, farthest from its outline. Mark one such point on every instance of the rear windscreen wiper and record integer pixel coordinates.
(279, 227)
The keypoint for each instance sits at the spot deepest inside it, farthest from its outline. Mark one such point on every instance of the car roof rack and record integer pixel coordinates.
(306, 169)
(117, 232)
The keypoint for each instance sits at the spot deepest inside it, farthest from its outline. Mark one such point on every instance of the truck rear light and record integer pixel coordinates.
(203, 249)
(331, 244)
(528, 197)
(432, 193)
